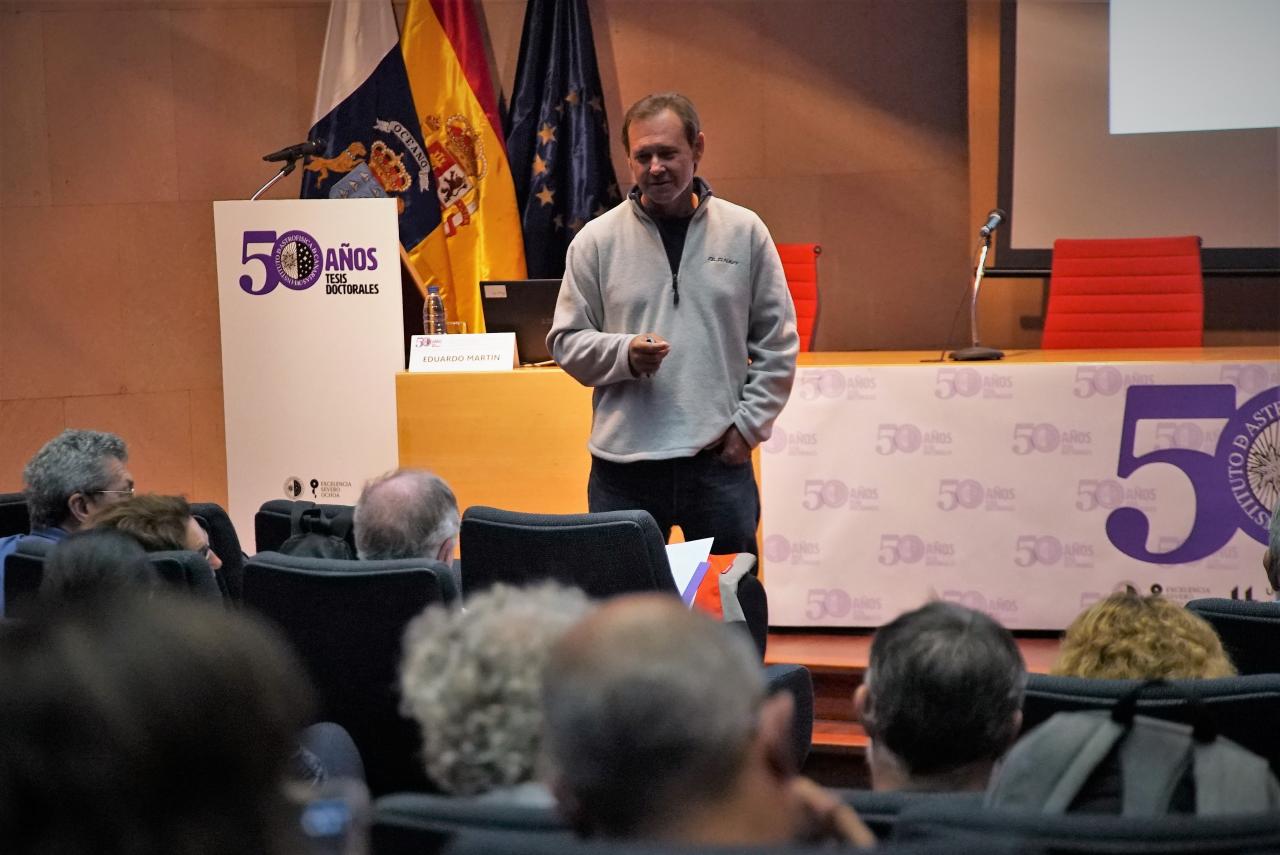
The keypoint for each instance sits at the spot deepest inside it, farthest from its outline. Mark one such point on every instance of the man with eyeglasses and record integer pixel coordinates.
(74, 475)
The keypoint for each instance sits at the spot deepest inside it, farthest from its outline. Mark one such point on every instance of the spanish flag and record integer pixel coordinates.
(479, 235)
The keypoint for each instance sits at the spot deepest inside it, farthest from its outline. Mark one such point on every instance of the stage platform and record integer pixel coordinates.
(838, 661)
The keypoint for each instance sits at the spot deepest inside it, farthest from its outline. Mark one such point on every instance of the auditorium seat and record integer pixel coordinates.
(425, 823)
(14, 518)
(604, 554)
(1250, 631)
(225, 543)
(346, 620)
(186, 571)
(798, 681)
(800, 265)
(1129, 292)
(1243, 709)
(754, 605)
(949, 823)
(278, 519)
(880, 809)
(24, 571)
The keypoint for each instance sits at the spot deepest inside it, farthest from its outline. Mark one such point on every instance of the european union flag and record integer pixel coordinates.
(559, 139)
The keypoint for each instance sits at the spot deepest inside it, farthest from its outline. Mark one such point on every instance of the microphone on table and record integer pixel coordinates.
(975, 351)
(293, 152)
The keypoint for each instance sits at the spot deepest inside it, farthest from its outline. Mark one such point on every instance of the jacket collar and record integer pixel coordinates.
(702, 188)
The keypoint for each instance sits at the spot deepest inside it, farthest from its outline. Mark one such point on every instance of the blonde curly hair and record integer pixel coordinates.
(1127, 637)
(472, 678)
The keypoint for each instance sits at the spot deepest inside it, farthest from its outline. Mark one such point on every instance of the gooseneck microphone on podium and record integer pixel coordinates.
(289, 155)
(293, 152)
(975, 352)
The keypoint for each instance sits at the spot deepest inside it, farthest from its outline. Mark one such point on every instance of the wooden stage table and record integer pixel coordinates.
(518, 439)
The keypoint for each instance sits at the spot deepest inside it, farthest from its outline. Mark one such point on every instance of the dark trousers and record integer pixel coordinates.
(703, 496)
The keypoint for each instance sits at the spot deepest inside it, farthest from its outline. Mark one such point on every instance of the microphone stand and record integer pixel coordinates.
(975, 352)
(290, 165)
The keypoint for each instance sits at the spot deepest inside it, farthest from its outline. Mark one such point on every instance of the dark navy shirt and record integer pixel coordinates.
(9, 544)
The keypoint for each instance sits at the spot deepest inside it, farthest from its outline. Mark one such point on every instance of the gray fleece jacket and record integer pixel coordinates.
(732, 333)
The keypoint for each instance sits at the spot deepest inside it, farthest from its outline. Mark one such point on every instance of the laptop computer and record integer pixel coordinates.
(523, 307)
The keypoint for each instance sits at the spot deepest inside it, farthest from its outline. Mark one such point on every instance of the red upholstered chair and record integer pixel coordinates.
(1130, 292)
(800, 264)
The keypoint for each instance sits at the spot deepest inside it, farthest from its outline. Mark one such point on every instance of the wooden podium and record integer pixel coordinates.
(512, 439)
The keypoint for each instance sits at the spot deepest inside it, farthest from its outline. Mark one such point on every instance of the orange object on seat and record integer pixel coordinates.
(1128, 292)
(800, 264)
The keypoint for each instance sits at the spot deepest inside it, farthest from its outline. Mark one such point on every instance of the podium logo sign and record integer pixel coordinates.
(297, 261)
(1235, 487)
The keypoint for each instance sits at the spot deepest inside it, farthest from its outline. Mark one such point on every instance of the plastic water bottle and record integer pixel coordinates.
(433, 318)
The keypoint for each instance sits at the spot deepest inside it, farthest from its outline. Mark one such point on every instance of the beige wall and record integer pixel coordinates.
(840, 122)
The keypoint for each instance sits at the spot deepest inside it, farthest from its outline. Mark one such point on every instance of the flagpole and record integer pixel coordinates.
(413, 272)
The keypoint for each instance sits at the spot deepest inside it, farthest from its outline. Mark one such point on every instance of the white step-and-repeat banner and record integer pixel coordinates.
(309, 297)
(1028, 491)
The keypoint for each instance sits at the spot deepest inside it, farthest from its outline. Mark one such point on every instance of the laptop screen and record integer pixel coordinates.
(523, 307)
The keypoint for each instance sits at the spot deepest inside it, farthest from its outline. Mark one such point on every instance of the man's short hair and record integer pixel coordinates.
(473, 678)
(158, 523)
(405, 513)
(651, 105)
(650, 708)
(943, 688)
(72, 462)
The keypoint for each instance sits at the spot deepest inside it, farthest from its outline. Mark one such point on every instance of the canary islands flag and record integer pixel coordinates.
(445, 57)
(365, 117)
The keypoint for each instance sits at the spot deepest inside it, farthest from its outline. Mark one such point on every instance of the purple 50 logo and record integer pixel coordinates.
(905, 438)
(1235, 488)
(905, 548)
(295, 261)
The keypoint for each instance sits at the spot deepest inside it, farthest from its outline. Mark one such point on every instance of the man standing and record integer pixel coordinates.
(675, 308)
(72, 476)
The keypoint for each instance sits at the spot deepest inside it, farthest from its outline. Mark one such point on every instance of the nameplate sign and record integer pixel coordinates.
(473, 352)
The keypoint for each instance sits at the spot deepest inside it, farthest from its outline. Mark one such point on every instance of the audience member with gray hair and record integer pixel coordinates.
(406, 513)
(941, 699)
(472, 679)
(74, 475)
(658, 728)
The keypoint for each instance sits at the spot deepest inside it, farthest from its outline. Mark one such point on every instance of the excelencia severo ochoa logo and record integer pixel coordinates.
(297, 261)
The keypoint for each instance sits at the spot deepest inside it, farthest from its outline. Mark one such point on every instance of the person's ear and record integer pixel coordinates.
(445, 553)
(860, 702)
(774, 734)
(1016, 729)
(699, 146)
(78, 505)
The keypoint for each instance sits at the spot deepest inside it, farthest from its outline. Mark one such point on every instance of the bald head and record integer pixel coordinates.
(646, 696)
(406, 513)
